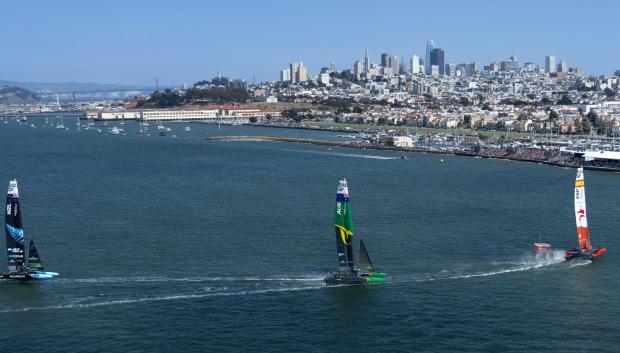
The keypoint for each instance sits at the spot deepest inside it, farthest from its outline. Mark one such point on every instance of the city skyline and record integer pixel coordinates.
(183, 43)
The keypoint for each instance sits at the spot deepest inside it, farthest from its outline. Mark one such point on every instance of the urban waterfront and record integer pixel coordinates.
(185, 244)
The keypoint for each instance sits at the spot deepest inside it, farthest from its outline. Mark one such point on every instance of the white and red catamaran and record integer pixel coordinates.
(584, 248)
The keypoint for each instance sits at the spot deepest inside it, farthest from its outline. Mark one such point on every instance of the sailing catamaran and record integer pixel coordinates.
(20, 266)
(584, 249)
(350, 269)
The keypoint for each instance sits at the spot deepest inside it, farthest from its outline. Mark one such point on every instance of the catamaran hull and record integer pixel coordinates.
(28, 276)
(336, 279)
(579, 254)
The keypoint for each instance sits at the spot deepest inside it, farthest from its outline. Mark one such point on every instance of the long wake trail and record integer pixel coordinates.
(79, 305)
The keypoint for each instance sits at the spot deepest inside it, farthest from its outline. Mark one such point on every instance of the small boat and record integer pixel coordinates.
(404, 157)
(115, 131)
(162, 133)
(22, 266)
(175, 137)
(187, 128)
(541, 247)
(584, 248)
(350, 269)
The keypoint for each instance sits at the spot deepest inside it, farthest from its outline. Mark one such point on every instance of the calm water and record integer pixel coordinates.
(170, 245)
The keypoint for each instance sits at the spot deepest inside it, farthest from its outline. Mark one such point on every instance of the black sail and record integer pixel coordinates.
(34, 261)
(364, 259)
(14, 230)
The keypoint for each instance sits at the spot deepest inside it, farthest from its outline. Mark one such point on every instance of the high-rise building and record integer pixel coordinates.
(293, 68)
(302, 73)
(385, 59)
(451, 70)
(510, 64)
(394, 64)
(550, 66)
(285, 75)
(528, 66)
(562, 66)
(332, 67)
(430, 45)
(434, 70)
(366, 62)
(298, 72)
(437, 58)
(414, 65)
(358, 68)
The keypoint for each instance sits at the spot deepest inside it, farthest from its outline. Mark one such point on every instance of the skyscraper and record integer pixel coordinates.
(366, 62)
(437, 58)
(285, 75)
(430, 45)
(562, 66)
(414, 65)
(550, 66)
(293, 68)
(385, 59)
(395, 65)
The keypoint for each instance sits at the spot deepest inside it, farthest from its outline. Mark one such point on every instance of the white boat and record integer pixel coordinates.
(187, 128)
(115, 131)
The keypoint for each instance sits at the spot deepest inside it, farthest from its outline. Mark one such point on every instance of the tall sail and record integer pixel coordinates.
(14, 230)
(364, 259)
(344, 229)
(34, 261)
(581, 219)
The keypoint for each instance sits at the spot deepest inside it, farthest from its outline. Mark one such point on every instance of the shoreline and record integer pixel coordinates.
(565, 162)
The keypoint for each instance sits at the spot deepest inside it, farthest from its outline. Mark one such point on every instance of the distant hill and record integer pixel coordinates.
(16, 95)
(51, 87)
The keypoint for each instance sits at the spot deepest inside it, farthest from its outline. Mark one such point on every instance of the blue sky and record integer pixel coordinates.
(185, 41)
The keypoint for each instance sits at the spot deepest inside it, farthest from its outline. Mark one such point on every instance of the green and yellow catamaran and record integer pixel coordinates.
(351, 270)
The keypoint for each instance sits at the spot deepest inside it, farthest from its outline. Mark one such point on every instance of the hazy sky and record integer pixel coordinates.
(184, 41)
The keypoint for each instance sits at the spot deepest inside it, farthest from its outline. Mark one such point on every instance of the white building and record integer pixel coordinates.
(179, 115)
(414, 65)
(117, 115)
(285, 75)
(550, 66)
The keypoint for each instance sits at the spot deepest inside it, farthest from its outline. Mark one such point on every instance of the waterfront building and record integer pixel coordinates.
(179, 115)
(430, 45)
(437, 58)
(550, 66)
(414, 65)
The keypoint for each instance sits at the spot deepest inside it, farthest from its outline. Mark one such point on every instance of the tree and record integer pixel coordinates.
(585, 127)
(486, 106)
(253, 119)
(565, 100)
(268, 117)
(358, 110)
(592, 115)
(464, 101)
(610, 93)
(553, 115)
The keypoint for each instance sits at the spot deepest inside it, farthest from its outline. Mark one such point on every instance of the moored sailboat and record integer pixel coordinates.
(584, 248)
(22, 266)
(350, 269)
